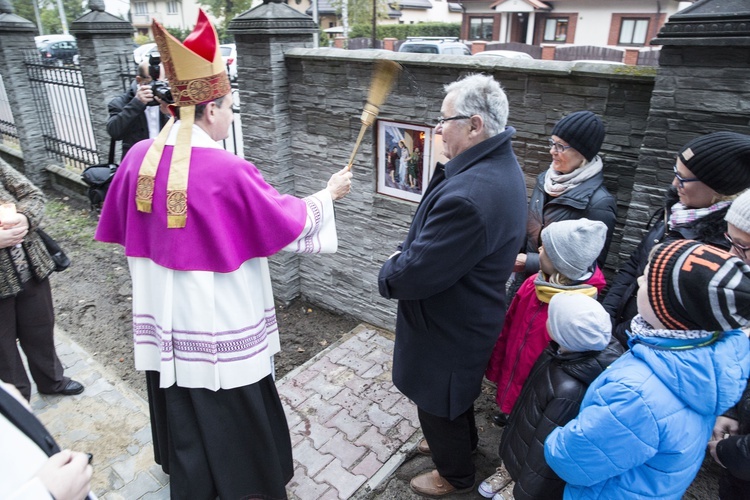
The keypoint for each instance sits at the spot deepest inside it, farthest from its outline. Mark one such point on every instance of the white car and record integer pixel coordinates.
(508, 54)
(229, 54)
(434, 45)
(142, 53)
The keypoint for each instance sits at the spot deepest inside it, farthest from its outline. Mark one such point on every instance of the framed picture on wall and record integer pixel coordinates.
(404, 159)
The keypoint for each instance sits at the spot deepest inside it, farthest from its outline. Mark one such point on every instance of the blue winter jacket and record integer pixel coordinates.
(644, 422)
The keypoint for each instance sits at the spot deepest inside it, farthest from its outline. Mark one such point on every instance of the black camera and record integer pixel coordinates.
(160, 88)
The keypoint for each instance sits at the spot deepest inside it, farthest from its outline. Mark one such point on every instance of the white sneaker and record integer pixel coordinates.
(506, 493)
(495, 482)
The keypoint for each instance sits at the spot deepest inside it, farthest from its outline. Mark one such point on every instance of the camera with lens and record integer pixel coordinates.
(160, 88)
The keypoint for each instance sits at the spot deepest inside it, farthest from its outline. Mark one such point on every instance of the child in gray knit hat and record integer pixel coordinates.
(568, 264)
(580, 350)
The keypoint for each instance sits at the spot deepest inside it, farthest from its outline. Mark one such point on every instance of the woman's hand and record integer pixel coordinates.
(340, 184)
(12, 237)
(67, 475)
(520, 265)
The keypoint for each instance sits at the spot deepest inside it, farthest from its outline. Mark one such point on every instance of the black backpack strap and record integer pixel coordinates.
(112, 151)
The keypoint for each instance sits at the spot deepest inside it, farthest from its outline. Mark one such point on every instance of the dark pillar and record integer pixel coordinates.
(16, 39)
(102, 40)
(262, 34)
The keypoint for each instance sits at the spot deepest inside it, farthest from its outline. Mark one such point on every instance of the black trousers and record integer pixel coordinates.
(29, 317)
(451, 444)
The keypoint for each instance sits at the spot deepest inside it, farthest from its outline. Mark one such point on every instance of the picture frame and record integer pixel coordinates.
(404, 159)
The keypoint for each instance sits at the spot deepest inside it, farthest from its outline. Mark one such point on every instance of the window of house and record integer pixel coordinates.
(633, 31)
(141, 8)
(172, 7)
(481, 28)
(556, 29)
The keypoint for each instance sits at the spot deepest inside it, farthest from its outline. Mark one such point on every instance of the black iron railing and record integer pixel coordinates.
(60, 98)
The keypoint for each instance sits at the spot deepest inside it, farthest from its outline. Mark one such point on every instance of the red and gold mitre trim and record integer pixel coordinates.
(194, 68)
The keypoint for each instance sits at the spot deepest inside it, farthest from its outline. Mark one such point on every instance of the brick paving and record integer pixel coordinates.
(350, 428)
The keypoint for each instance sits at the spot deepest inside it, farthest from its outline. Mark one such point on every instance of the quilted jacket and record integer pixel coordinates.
(644, 422)
(550, 397)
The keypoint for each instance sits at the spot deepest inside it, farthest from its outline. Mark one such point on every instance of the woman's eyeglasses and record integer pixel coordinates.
(682, 180)
(739, 248)
(558, 147)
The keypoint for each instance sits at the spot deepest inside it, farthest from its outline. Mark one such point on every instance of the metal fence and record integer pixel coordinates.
(8, 130)
(60, 99)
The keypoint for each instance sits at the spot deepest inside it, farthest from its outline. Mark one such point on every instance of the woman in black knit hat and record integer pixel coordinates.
(572, 188)
(709, 172)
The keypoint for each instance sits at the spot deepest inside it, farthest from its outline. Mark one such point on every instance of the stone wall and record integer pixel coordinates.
(327, 89)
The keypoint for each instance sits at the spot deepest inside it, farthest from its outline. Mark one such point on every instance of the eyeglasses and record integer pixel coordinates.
(558, 147)
(441, 120)
(740, 249)
(682, 180)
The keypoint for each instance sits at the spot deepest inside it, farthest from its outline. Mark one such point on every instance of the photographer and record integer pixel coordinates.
(136, 115)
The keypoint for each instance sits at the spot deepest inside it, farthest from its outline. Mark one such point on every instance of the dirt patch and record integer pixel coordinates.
(93, 300)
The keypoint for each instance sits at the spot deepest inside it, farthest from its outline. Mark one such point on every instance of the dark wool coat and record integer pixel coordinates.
(450, 276)
(127, 119)
(551, 397)
(620, 300)
(590, 200)
(29, 200)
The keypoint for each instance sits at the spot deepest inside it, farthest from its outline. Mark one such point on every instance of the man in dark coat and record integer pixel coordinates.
(133, 116)
(449, 277)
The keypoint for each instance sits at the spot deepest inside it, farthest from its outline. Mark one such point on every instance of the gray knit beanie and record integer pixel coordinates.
(739, 212)
(578, 323)
(720, 160)
(583, 130)
(573, 245)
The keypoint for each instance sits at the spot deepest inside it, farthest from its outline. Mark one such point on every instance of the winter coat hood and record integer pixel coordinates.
(709, 386)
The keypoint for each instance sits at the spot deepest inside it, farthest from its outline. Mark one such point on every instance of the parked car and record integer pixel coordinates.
(507, 54)
(42, 40)
(58, 53)
(434, 45)
(229, 54)
(142, 53)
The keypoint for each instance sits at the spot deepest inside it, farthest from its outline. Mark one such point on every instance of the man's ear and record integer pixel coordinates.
(477, 123)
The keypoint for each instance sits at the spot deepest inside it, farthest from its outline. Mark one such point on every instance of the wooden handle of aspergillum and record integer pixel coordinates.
(368, 118)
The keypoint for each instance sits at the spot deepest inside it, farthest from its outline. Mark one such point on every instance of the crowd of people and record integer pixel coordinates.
(615, 393)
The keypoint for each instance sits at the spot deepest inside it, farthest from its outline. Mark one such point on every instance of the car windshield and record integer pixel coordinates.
(226, 51)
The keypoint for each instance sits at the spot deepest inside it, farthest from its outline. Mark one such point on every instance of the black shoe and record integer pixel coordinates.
(500, 419)
(71, 389)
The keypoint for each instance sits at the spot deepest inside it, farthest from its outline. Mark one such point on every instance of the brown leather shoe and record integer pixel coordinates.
(424, 448)
(432, 484)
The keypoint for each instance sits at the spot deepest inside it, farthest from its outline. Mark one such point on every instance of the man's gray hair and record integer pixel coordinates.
(480, 95)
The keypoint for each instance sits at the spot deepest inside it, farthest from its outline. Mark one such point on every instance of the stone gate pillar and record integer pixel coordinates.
(701, 87)
(102, 38)
(17, 38)
(262, 34)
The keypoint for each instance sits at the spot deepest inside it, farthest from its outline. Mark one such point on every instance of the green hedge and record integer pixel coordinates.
(401, 31)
